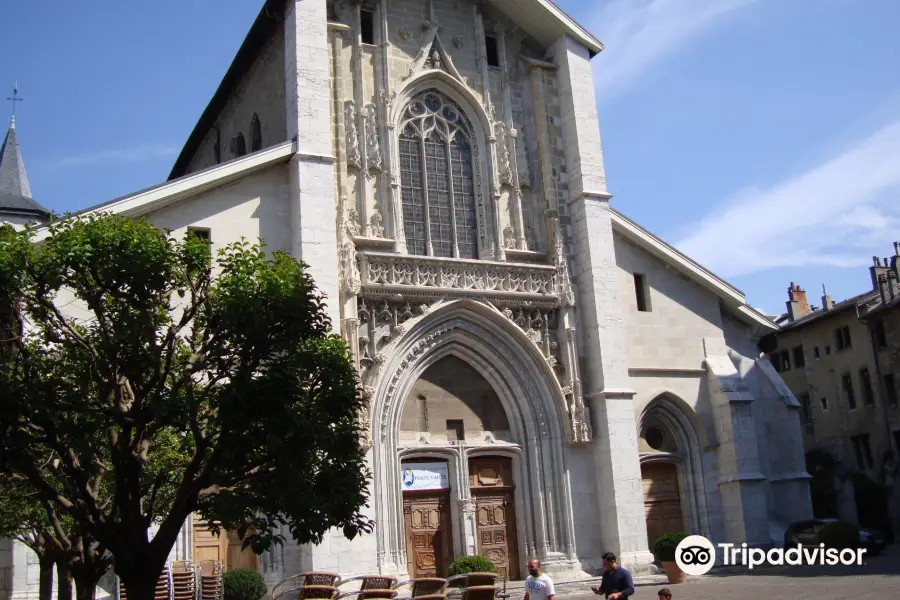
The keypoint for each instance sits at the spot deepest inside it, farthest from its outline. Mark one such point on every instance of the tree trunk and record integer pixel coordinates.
(142, 588)
(45, 580)
(63, 581)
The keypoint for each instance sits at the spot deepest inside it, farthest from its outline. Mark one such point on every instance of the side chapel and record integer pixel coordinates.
(543, 377)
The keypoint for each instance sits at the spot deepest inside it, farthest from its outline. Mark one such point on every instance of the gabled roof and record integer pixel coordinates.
(541, 19)
(729, 295)
(15, 193)
(159, 196)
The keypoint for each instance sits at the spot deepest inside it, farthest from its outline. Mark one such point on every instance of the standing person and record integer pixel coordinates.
(538, 586)
(616, 583)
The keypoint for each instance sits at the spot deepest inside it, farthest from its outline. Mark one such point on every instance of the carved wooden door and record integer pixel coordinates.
(429, 547)
(662, 500)
(495, 519)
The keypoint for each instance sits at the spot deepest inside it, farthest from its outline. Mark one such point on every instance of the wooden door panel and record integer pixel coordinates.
(495, 516)
(428, 542)
(662, 500)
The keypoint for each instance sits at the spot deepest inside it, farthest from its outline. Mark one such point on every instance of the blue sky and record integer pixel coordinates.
(761, 137)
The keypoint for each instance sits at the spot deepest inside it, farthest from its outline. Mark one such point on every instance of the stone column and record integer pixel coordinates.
(309, 125)
(619, 490)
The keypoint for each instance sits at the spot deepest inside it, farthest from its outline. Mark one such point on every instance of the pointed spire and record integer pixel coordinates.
(15, 193)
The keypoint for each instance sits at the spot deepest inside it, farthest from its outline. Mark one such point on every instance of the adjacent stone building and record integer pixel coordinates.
(543, 377)
(841, 362)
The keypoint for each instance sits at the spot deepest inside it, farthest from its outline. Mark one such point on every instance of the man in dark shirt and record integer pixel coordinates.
(616, 583)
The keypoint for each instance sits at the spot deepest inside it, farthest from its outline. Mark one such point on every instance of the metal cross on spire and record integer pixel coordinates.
(14, 98)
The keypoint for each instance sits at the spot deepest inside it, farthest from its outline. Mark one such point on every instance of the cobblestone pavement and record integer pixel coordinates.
(878, 578)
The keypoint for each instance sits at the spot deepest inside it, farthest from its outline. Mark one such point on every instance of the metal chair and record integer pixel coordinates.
(371, 586)
(211, 580)
(480, 592)
(424, 587)
(317, 591)
(314, 579)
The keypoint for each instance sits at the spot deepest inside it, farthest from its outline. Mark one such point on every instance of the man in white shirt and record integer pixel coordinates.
(538, 586)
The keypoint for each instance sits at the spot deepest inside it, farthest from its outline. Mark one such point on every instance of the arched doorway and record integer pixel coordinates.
(506, 402)
(452, 403)
(671, 470)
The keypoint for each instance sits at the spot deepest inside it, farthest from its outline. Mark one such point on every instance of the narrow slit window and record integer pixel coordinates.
(640, 293)
(367, 27)
(492, 50)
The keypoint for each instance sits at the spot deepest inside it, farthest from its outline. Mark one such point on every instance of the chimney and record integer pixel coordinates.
(827, 302)
(877, 270)
(797, 306)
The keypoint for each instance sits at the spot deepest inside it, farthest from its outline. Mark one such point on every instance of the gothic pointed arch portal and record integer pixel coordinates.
(672, 468)
(534, 408)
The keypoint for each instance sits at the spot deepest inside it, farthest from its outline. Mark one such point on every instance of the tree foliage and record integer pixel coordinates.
(141, 388)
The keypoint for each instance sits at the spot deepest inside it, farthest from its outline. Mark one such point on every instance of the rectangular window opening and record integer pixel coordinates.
(880, 334)
(367, 27)
(847, 388)
(640, 293)
(824, 403)
(203, 233)
(816, 353)
(842, 337)
(785, 360)
(868, 391)
(492, 50)
(456, 431)
(799, 359)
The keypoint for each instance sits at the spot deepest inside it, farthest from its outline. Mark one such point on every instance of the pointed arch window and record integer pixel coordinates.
(238, 145)
(255, 134)
(437, 178)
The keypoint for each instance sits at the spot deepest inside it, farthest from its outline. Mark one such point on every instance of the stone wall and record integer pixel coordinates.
(261, 91)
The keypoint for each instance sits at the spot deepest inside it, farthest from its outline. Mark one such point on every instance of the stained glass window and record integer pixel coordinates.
(437, 179)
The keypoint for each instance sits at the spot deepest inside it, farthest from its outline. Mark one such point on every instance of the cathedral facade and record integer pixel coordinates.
(543, 377)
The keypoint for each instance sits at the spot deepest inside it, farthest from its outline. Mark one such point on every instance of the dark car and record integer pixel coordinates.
(807, 534)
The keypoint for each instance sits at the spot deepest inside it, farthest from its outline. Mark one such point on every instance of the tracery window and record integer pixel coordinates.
(437, 178)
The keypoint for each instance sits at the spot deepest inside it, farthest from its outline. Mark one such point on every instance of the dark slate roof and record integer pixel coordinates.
(838, 308)
(15, 193)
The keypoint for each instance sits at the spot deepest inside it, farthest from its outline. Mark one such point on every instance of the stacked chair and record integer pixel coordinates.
(210, 575)
(184, 580)
(327, 586)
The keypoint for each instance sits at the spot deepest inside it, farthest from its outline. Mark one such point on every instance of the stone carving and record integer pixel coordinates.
(530, 237)
(397, 270)
(349, 268)
(562, 280)
(376, 225)
(387, 100)
(373, 145)
(365, 426)
(353, 227)
(509, 237)
(503, 160)
(458, 42)
(353, 154)
(404, 33)
(434, 60)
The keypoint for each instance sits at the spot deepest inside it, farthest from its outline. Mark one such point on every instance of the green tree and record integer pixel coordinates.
(141, 389)
(26, 516)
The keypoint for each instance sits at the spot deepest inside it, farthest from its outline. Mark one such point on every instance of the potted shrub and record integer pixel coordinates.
(470, 564)
(243, 584)
(664, 551)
